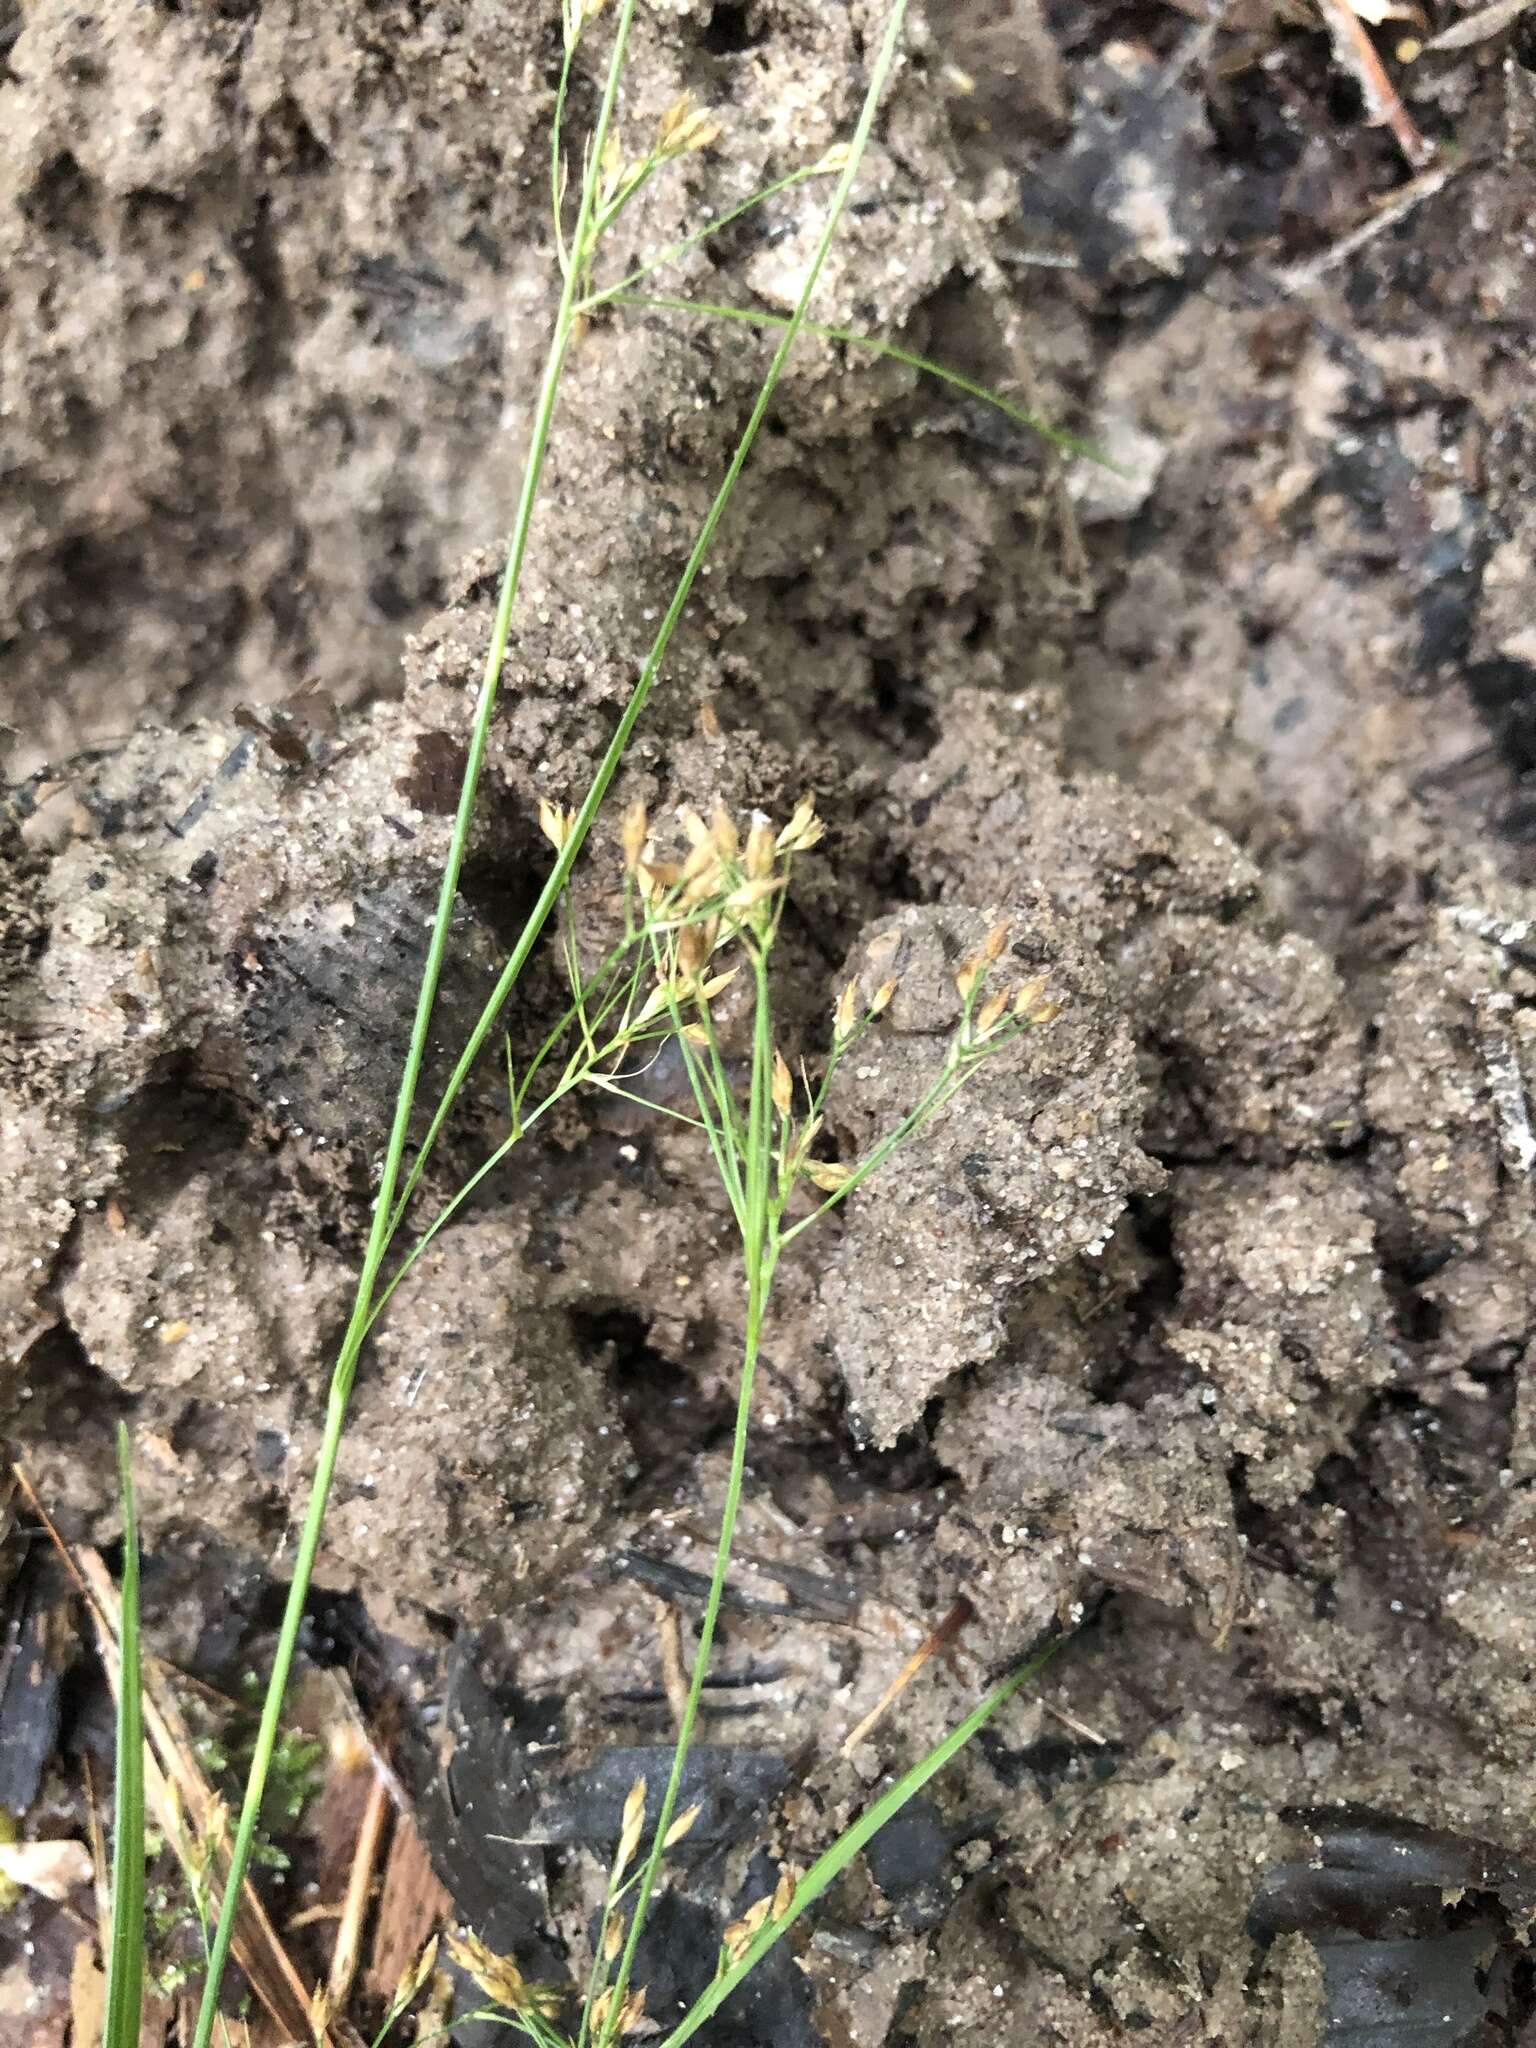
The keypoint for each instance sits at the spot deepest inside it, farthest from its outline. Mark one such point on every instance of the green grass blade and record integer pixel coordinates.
(831, 1864)
(125, 1960)
(748, 316)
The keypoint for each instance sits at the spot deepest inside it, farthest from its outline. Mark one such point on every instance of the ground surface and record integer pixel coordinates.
(1219, 1299)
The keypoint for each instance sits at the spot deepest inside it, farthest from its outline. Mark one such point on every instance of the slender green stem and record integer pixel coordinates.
(872, 343)
(605, 294)
(833, 1861)
(756, 1303)
(932, 1102)
(381, 1229)
(557, 155)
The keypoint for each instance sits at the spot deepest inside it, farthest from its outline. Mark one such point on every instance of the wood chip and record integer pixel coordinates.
(412, 1906)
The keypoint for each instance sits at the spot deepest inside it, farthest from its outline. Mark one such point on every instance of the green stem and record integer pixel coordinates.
(605, 294)
(380, 1231)
(873, 345)
(760, 1253)
(760, 1279)
(938, 1094)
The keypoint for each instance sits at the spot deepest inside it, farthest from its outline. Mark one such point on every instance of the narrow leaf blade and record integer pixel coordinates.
(125, 1960)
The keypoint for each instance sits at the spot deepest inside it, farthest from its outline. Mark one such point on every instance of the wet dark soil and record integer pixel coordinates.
(1208, 1316)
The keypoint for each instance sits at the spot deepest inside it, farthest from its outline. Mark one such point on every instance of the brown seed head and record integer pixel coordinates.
(996, 940)
(883, 996)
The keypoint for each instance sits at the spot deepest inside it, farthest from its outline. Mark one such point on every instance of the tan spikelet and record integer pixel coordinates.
(723, 830)
(502, 1981)
(845, 1016)
(554, 823)
(708, 990)
(991, 1012)
(804, 829)
(1029, 995)
(783, 1084)
(759, 856)
(741, 1933)
(967, 975)
(684, 127)
(635, 831)
(681, 1827)
(882, 999)
(613, 1939)
(824, 1174)
(322, 2011)
(996, 941)
(633, 2012)
(751, 894)
(414, 1975)
(629, 1833)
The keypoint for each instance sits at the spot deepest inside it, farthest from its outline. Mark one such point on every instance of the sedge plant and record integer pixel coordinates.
(698, 933)
(657, 981)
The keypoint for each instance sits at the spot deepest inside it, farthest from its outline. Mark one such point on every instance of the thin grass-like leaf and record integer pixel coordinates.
(125, 1960)
(755, 316)
(831, 1864)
